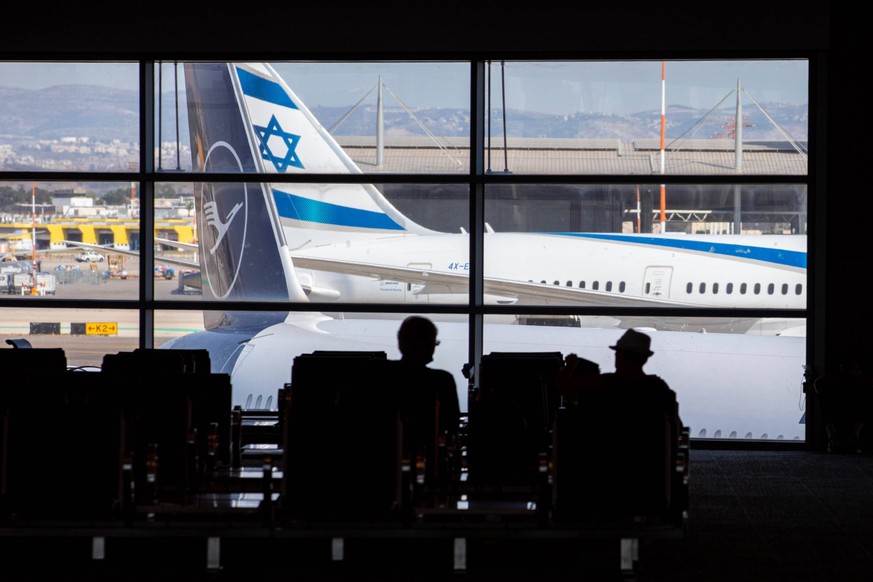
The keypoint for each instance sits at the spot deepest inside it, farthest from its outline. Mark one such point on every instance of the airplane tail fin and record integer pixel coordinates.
(243, 118)
(286, 138)
(243, 254)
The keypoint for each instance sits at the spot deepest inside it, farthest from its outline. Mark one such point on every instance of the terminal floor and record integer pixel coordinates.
(772, 516)
(754, 515)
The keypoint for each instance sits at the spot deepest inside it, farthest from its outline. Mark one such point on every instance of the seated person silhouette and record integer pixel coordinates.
(844, 398)
(632, 351)
(626, 420)
(427, 397)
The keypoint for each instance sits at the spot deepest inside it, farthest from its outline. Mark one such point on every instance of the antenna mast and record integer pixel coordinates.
(380, 124)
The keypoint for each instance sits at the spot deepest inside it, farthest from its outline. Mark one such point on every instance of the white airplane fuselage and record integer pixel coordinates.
(599, 267)
(709, 405)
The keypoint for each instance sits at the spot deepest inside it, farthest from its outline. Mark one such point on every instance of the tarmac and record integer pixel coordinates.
(62, 327)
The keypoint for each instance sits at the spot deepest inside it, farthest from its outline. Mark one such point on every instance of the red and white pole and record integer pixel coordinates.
(33, 222)
(663, 131)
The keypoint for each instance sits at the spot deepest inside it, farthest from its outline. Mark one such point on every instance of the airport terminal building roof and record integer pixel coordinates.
(704, 157)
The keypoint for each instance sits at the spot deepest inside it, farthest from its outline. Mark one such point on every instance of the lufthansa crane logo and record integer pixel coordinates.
(213, 219)
(224, 216)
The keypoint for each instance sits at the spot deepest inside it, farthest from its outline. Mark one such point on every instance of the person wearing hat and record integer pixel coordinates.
(632, 351)
(628, 420)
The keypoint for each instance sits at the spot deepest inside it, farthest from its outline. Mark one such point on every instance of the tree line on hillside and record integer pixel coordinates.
(14, 198)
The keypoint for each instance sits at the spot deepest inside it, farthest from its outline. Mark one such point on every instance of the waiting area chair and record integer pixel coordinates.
(510, 417)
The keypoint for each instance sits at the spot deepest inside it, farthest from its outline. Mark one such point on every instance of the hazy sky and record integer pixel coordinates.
(561, 88)
(555, 87)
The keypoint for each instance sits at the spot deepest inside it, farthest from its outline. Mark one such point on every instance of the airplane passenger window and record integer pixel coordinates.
(729, 288)
(785, 288)
(702, 288)
(689, 288)
(757, 288)
(621, 287)
(771, 288)
(609, 285)
(742, 288)
(715, 288)
(798, 289)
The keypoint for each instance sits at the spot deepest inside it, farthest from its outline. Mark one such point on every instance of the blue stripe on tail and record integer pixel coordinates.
(263, 89)
(295, 207)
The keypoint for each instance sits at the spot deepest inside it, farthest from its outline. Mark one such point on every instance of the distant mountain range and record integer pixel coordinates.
(99, 113)
(103, 114)
(680, 122)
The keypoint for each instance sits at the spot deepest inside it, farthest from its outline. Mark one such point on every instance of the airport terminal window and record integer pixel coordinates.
(575, 169)
(611, 111)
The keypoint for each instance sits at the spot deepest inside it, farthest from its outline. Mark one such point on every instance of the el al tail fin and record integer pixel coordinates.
(287, 139)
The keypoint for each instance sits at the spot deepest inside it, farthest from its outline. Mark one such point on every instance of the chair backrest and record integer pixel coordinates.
(63, 448)
(614, 454)
(158, 361)
(22, 362)
(510, 418)
(342, 455)
(318, 379)
(320, 366)
(172, 403)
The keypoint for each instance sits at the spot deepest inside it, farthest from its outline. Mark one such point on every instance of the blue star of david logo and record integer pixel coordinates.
(273, 130)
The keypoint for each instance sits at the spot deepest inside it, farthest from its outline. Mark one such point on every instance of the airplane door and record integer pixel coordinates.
(657, 282)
